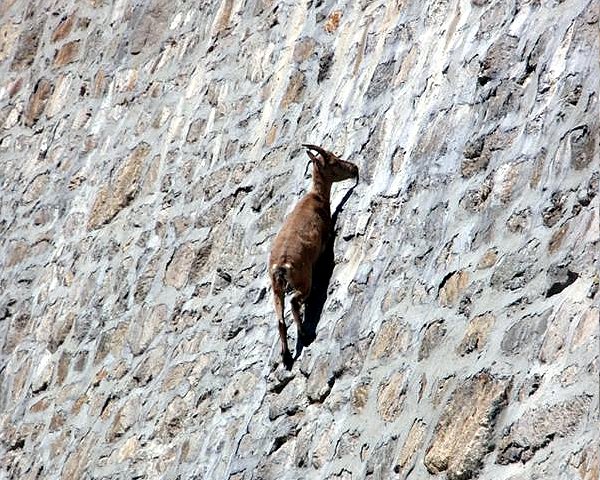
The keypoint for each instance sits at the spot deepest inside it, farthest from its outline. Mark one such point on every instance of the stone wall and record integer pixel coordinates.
(150, 151)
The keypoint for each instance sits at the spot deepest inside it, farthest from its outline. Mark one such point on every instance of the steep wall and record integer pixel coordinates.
(149, 152)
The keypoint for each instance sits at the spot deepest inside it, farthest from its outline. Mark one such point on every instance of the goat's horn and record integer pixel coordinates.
(323, 152)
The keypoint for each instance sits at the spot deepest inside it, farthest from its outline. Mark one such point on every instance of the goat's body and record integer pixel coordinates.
(297, 248)
(303, 236)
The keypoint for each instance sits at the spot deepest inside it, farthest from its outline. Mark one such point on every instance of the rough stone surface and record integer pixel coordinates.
(463, 435)
(149, 151)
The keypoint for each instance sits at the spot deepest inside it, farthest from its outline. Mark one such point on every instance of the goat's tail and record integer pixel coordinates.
(279, 277)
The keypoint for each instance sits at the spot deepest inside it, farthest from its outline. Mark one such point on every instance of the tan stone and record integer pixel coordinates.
(413, 444)
(319, 381)
(408, 63)
(294, 90)
(557, 238)
(586, 332)
(59, 329)
(112, 341)
(145, 279)
(57, 421)
(39, 406)
(589, 465)
(391, 394)
(178, 268)
(223, 16)
(392, 339)
(323, 448)
(453, 287)
(360, 396)
(176, 375)
(477, 333)
(238, 388)
(63, 28)
(80, 402)
(462, 435)
(58, 445)
(17, 253)
(99, 84)
(124, 419)
(75, 465)
(304, 49)
(128, 449)
(60, 96)
(8, 35)
(333, 21)
(67, 54)
(271, 136)
(62, 369)
(20, 326)
(116, 195)
(505, 180)
(36, 188)
(539, 426)
(37, 102)
(556, 333)
(195, 131)
(488, 259)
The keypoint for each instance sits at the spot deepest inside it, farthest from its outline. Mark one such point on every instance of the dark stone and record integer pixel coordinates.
(499, 59)
(434, 334)
(27, 47)
(382, 78)
(560, 276)
(554, 212)
(583, 142)
(325, 63)
(517, 269)
(526, 335)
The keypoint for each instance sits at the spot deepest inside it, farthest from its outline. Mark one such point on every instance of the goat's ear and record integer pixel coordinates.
(317, 160)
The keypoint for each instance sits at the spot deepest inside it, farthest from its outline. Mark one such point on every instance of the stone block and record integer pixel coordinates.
(452, 286)
(179, 266)
(463, 435)
(118, 193)
(37, 101)
(391, 394)
(66, 54)
(477, 334)
(433, 335)
(64, 27)
(540, 426)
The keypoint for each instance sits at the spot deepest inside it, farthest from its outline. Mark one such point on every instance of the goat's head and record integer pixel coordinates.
(330, 166)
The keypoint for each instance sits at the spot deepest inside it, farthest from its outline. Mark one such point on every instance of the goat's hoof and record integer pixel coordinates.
(305, 338)
(287, 360)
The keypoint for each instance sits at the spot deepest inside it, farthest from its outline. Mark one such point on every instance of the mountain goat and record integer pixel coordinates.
(302, 239)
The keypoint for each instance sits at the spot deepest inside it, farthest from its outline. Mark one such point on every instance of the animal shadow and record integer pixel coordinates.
(322, 271)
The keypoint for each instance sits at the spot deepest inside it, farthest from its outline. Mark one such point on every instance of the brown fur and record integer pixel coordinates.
(302, 239)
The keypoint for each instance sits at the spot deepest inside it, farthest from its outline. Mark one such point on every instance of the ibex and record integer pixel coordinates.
(303, 238)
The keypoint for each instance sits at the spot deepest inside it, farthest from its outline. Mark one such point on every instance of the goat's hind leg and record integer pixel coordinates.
(278, 299)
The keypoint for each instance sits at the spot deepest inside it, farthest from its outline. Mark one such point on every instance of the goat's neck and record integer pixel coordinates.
(321, 186)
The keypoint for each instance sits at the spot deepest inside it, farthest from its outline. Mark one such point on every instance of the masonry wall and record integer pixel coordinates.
(149, 151)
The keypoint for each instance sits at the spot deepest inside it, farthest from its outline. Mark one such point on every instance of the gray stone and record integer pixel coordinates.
(537, 428)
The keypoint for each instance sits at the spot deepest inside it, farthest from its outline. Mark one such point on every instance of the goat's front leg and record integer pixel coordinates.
(297, 302)
(278, 298)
